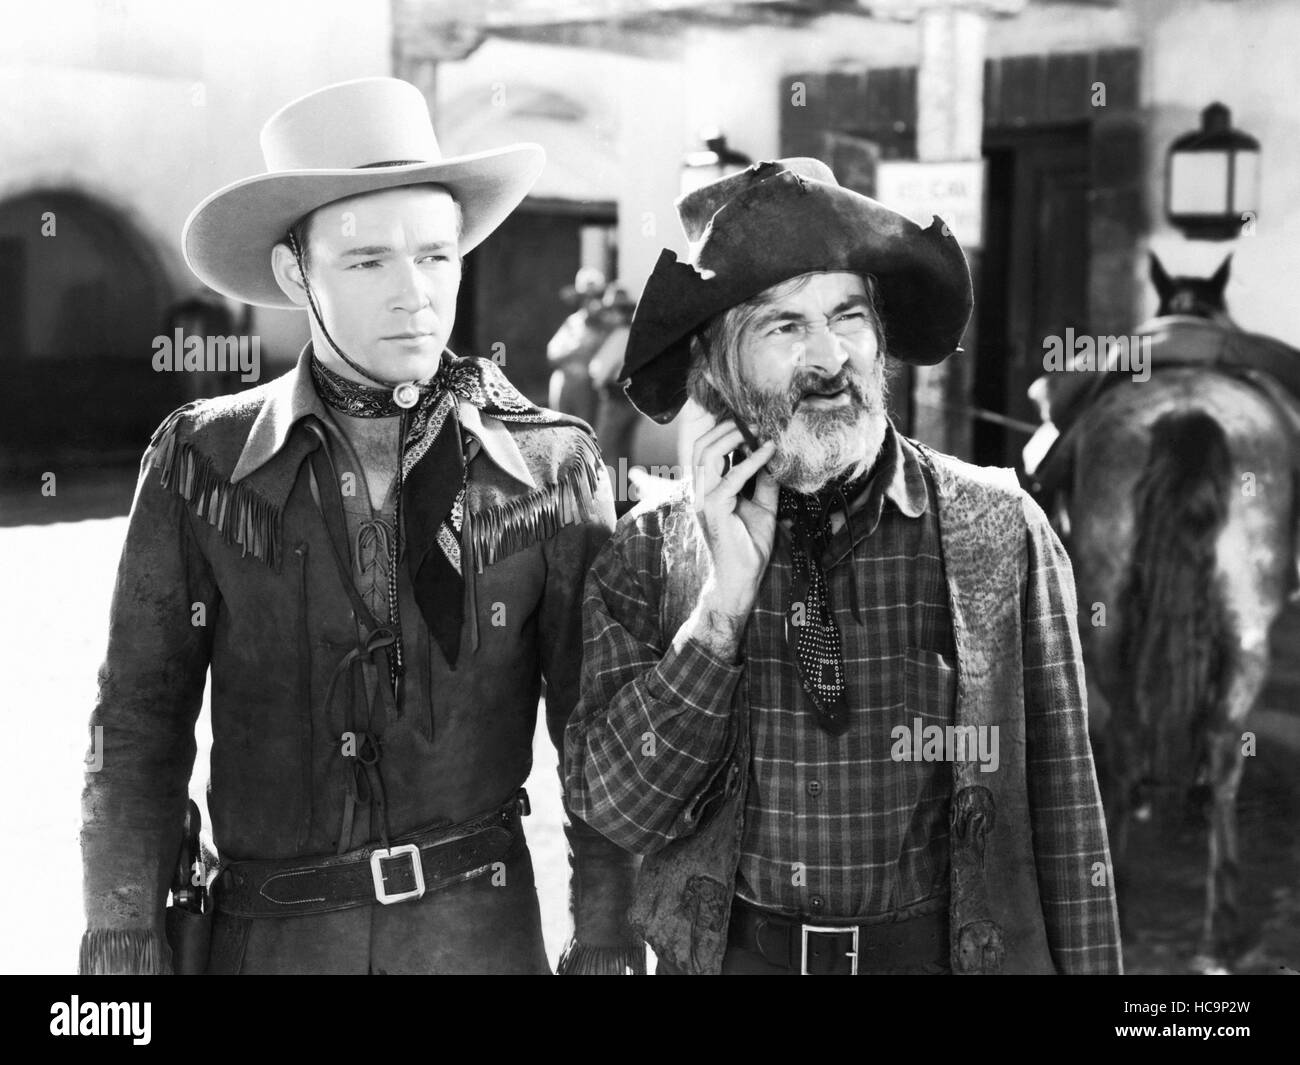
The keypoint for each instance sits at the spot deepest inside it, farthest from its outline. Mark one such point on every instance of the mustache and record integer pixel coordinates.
(811, 383)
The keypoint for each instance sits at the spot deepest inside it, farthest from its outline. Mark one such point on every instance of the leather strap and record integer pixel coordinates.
(364, 777)
(449, 854)
(890, 946)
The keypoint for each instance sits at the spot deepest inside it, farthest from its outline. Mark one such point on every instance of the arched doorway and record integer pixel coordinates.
(82, 296)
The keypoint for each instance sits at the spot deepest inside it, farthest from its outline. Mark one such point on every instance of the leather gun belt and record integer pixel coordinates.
(414, 865)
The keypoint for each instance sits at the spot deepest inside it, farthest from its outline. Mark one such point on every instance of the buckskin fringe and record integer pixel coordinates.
(505, 528)
(243, 517)
(134, 952)
(579, 960)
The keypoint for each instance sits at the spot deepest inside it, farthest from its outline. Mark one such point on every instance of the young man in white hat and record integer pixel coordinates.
(379, 558)
(833, 691)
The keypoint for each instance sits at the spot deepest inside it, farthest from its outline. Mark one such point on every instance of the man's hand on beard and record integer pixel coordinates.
(739, 533)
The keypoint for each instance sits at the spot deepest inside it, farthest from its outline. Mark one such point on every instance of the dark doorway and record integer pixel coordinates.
(83, 296)
(1034, 273)
(509, 305)
(13, 299)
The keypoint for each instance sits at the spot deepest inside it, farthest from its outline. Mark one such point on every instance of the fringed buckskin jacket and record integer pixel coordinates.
(1012, 907)
(227, 567)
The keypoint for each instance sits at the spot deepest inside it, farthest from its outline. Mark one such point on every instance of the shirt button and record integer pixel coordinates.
(817, 903)
(814, 788)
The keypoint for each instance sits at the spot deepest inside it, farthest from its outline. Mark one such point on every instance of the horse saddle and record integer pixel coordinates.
(1175, 340)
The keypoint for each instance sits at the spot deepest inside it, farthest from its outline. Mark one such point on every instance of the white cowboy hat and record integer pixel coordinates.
(343, 140)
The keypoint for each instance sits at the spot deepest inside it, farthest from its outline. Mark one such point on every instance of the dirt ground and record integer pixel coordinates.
(1165, 904)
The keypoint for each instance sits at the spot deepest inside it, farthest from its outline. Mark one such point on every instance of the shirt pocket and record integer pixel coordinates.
(929, 685)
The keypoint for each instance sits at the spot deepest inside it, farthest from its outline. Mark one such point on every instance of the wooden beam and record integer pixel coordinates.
(517, 14)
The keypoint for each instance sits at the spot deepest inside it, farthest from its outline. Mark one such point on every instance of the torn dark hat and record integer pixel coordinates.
(775, 221)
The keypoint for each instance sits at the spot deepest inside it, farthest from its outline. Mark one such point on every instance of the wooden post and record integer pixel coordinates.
(949, 127)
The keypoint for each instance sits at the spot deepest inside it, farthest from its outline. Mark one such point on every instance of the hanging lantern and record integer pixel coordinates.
(716, 160)
(1212, 178)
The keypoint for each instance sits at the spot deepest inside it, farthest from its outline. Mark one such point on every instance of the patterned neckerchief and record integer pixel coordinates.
(818, 649)
(432, 475)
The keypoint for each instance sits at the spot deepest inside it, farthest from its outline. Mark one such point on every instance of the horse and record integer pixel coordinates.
(1181, 493)
(1198, 297)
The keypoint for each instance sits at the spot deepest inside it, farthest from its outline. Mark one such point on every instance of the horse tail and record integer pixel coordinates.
(1175, 640)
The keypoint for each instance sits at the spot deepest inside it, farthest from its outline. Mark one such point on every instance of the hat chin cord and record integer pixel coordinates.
(406, 394)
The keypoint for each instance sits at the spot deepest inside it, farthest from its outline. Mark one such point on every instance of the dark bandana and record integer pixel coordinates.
(815, 635)
(432, 476)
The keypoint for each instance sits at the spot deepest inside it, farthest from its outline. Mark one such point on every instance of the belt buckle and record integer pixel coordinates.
(805, 929)
(376, 871)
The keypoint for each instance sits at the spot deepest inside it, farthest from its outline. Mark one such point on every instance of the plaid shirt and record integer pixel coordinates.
(835, 827)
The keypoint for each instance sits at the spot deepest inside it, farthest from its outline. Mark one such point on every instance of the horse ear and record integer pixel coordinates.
(1220, 278)
(1159, 277)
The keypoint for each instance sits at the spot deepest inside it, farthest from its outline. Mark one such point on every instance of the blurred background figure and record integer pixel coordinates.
(570, 351)
(616, 418)
(644, 455)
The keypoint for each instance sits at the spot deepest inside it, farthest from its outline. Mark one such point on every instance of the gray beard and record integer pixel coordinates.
(813, 446)
(814, 450)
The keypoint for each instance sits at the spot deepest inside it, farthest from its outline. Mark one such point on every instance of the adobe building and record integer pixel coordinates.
(1065, 108)
(119, 117)
(1047, 123)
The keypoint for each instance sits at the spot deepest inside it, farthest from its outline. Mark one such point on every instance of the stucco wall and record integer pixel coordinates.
(149, 106)
(1242, 53)
(647, 112)
(1194, 51)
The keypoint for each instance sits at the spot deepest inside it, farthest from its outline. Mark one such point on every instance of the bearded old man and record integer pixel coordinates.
(378, 557)
(772, 653)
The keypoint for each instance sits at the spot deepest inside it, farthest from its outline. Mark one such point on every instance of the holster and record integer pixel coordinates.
(189, 935)
(188, 928)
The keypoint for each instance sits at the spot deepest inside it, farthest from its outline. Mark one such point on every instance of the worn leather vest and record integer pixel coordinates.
(685, 890)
